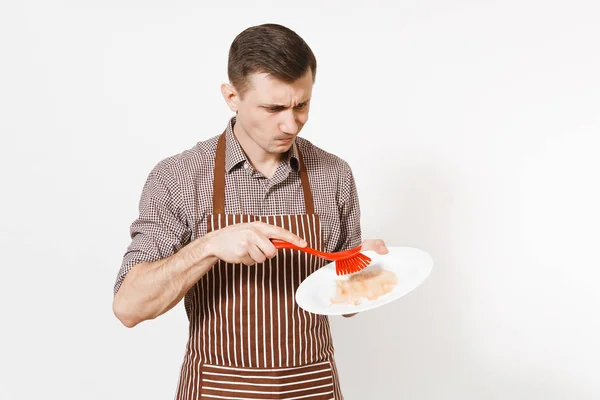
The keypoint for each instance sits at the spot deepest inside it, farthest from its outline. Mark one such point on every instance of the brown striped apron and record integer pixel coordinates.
(248, 339)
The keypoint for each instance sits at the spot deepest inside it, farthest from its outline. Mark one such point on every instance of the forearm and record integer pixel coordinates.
(151, 289)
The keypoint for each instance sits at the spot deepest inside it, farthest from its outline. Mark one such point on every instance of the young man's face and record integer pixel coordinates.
(272, 113)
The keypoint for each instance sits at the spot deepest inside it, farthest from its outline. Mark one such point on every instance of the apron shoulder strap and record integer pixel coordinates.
(308, 198)
(219, 178)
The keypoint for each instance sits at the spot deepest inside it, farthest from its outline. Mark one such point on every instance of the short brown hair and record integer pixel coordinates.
(272, 49)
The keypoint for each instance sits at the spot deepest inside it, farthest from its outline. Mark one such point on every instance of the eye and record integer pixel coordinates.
(274, 109)
(301, 105)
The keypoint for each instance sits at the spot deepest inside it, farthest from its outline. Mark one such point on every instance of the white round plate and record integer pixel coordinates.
(411, 266)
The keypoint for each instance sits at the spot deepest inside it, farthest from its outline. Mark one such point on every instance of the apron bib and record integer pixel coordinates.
(248, 339)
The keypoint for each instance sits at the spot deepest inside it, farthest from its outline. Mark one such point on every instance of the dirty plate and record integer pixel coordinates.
(411, 266)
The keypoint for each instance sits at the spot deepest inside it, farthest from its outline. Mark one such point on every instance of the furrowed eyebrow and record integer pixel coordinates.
(274, 106)
(282, 107)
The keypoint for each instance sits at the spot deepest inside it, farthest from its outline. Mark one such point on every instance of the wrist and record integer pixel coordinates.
(202, 252)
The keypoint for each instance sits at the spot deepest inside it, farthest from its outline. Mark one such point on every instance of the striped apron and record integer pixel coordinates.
(248, 339)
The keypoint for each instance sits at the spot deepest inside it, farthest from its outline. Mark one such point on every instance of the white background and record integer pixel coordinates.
(473, 131)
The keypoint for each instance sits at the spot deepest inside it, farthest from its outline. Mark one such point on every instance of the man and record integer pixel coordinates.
(206, 219)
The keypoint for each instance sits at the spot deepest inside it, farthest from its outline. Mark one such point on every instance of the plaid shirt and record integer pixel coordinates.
(177, 197)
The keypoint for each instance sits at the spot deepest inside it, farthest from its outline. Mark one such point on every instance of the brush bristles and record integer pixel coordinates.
(352, 265)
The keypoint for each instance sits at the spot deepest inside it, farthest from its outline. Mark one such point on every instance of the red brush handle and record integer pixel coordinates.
(342, 255)
(281, 244)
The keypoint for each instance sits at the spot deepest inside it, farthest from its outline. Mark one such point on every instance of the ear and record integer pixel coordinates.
(231, 96)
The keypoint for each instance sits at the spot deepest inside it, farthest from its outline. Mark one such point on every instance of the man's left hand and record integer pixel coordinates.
(376, 245)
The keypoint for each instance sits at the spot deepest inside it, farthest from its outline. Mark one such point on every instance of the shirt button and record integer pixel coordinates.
(246, 165)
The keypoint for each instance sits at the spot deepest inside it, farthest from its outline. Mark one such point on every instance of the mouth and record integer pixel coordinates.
(286, 139)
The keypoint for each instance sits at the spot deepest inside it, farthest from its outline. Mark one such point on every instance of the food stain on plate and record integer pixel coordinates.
(369, 284)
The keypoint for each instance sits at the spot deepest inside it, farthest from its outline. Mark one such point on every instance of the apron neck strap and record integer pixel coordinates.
(219, 180)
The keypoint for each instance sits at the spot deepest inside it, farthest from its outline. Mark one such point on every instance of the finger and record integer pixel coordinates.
(276, 232)
(247, 260)
(256, 254)
(369, 244)
(241, 254)
(381, 247)
(376, 245)
(263, 243)
(265, 246)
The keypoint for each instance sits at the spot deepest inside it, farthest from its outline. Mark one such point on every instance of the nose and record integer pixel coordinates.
(288, 123)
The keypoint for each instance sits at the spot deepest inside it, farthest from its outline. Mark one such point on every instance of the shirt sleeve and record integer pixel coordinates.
(349, 209)
(161, 228)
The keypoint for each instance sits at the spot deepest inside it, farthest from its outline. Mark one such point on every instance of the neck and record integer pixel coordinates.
(264, 162)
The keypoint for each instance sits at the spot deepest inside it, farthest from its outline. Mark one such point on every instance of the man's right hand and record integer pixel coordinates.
(248, 243)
